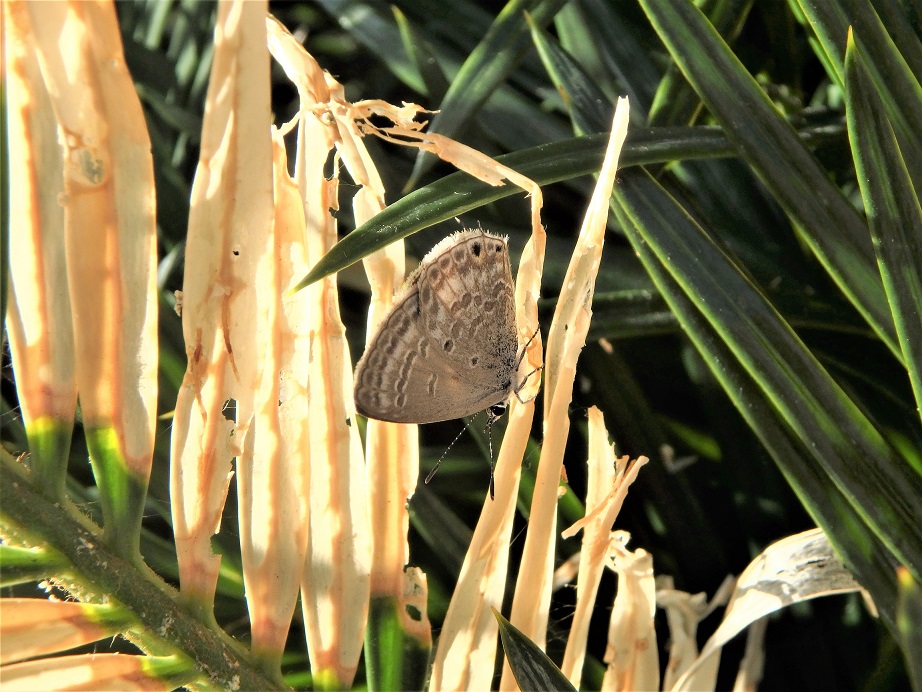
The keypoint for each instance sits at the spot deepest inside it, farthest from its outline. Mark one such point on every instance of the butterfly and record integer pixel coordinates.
(449, 347)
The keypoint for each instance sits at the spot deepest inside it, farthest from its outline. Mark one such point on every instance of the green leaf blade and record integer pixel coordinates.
(532, 668)
(882, 489)
(484, 70)
(828, 224)
(892, 203)
(458, 193)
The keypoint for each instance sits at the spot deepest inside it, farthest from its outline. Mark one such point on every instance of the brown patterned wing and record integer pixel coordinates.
(448, 348)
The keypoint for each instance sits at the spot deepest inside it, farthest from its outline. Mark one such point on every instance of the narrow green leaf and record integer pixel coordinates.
(21, 565)
(532, 668)
(434, 82)
(370, 24)
(440, 527)
(464, 21)
(869, 559)
(901, 18)
(824, 218)
(172, 114)
(485, 68)
(896, 80)
(880, 486)
(829, 22)
(675, 102)
(627, 313)
(590, 110)
(607, 41)
(633, 419)
(458, 193)
(395, 659)
(573, 32)
(892, 205)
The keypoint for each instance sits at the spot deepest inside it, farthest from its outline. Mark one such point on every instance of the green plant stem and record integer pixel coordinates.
(96, 572)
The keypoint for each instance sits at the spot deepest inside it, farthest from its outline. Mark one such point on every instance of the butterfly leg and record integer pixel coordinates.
(518, 362)
(521, 356)
(522, 386)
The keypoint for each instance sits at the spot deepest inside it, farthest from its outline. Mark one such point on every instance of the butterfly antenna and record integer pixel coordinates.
(447, 449)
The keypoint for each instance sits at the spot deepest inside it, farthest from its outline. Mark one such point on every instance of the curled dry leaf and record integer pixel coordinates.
(794, 569)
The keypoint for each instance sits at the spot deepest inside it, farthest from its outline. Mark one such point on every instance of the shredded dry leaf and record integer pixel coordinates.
(467, 645)
(683, 613)
(335, 589)
(229, 249)
(631, 654)
(273, 479)
(794, 569)
(415, 616)
(39, 314)
(567, 337)
(387, 443)
(566, 572)
(750, 673)
(33, 627)
(609, 479)
(86, 672)
(392, 454)
(108, 205)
